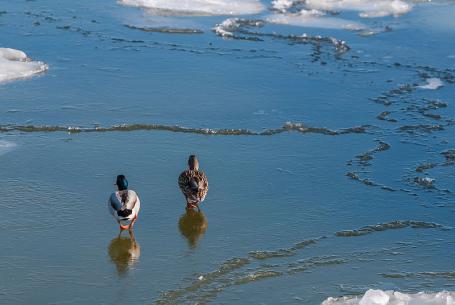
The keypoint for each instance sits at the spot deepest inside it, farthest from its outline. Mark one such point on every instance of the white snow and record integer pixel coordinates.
(224, 29)
(14, 64)
(282, 5)
(375, 297)
(199, 7)
(380, 297)
(432, 84)
(227, 28)
(367, 8)
(315, 18)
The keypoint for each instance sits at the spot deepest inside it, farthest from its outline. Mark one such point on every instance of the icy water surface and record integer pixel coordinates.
(325, 128)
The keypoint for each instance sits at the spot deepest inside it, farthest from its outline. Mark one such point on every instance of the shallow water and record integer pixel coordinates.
(331, 169)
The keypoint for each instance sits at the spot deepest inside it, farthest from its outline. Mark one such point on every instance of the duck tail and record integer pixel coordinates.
(124, 213)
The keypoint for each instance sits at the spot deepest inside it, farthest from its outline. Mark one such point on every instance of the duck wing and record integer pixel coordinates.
(124, 213)
(124, 205)
(193, 184)
(203, 185)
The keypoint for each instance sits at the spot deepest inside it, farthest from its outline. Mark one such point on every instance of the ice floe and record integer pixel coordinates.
(367, 8)
(14, 64)
(198, 7)
(380, 297)
(315, 18)
(321, 13)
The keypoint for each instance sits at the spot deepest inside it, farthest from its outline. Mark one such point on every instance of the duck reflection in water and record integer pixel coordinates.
(124, 252)
(192, 225)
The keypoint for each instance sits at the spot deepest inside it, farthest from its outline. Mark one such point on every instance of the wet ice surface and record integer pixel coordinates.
(329, 149)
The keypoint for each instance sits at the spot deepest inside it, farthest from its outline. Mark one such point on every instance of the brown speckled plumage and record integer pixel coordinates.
(193, 196)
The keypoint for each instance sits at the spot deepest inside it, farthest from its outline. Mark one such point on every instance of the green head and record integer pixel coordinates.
(122, 183)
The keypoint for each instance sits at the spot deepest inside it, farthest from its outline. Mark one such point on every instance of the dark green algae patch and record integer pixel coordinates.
(288, 127)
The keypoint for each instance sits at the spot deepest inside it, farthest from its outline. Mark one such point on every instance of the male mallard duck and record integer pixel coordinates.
(193, 183)
(124, 204)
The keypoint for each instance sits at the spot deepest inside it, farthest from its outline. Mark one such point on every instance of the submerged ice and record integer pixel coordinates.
(380, 297)
(6, 146)
(199, 7)
(15, 64)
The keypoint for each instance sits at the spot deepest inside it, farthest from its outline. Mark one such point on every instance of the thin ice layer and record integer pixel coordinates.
(199, 7)
(14, 64)
(380, 297)
(315, 18)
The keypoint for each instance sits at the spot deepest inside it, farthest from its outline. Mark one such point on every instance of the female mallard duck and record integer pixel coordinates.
(124, 204)
(193, 183)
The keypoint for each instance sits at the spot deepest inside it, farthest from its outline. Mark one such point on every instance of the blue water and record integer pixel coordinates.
(267, 192)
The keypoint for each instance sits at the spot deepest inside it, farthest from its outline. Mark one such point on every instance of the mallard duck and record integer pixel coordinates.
(193, 183)
(124, 204)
